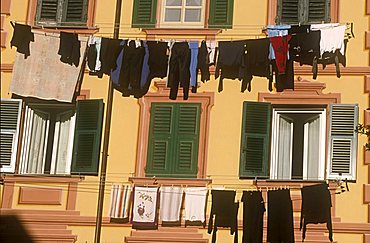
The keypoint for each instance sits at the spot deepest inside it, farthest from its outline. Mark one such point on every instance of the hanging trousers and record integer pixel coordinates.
(179, 73)
(253, 210)
(280, 217)
(131, 68)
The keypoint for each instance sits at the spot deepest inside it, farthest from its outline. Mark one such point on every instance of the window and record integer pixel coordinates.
(182, 13)
(298, 150)
(187, 12)
(299, 142)
(303, 11)
(57, 139)
(173, 140)
(62, 12)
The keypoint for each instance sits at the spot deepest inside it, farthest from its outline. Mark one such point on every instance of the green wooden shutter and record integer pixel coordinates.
(255, 140)
(343, 141)
(75, 12)
(47, 10)
(144, 14)
(10, 113)
(161, 139)
(318, 11)
(221, 14)
(86, 147)
(186, 153)
(288, 12)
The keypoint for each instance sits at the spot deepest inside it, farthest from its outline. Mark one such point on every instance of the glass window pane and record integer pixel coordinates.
(173, 2)
(192, 15)
(193, 2)
(172, 15)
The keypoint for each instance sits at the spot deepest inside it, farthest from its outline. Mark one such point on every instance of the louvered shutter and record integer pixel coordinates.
(49, 11)
(10, 113)
(221, 14)
(318, 11)
(75, 12)
(187, 131)
(288, 12)
(87, 139)
(161, 139)
(144, 15)
(255, 140)
(343, 142)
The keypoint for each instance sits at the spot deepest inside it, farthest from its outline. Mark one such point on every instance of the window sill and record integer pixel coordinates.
(193, 32)
(169, 181)
(41, 178)
(78, 29)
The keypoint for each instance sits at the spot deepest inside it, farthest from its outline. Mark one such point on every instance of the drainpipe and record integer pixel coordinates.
(108, 118)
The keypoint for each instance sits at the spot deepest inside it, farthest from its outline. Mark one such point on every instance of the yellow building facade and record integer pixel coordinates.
(63, 208)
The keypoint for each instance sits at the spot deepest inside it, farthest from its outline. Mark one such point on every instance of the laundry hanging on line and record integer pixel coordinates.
(131, 66)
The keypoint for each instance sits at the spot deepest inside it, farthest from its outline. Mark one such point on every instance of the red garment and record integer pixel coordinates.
(280, 44)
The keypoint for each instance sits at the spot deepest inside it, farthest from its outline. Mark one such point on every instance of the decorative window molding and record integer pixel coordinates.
(206, 99)
(305, 92)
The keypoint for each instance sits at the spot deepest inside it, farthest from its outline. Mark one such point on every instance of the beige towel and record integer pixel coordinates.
(42, 75)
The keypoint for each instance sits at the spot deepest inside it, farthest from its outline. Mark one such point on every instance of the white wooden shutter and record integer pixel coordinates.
(10, 114)
(342, 142)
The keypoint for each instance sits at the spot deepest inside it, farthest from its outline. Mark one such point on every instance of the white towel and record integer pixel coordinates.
(42, 74)
(170, 203)
(120, 201)
(195, 203)
(144, 208)
(332, 37)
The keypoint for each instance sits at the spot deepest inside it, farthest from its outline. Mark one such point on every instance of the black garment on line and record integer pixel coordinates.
(316, 207)
(21, 39)
(109, 51)
(296, 29)
(179, 72)
(225, 211)
(203, 62)
(253, 210)
(286, 80)
(305, 46)
(280, 217)
(257, 62)
(158, 59)
(130, 75)
(305, 49)
(334, 58)
(230, 61)
(91, 57)
(69, 48)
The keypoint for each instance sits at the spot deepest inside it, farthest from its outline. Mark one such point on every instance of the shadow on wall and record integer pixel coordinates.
(12, 230)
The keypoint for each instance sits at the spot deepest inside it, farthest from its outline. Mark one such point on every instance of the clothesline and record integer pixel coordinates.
(85, 189)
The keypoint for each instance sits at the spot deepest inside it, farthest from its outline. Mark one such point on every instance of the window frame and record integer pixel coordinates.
(152, 21)
(206, 99)
(87, 28)
(274, 146)
(182, 23)
(273, 9)
(88, 162)
(25, 145)
(173, 138)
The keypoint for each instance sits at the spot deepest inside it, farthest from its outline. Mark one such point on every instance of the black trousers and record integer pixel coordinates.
(179, 73)
(253, 210)
(132, 63)
(280, 217)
